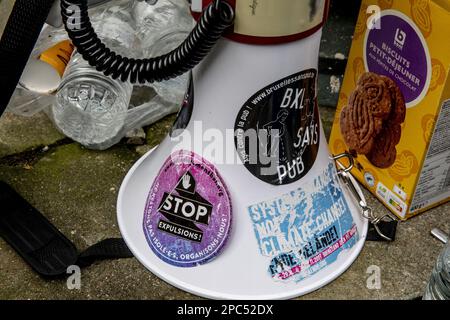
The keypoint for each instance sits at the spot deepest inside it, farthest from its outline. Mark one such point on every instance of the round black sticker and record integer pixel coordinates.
(277, 131)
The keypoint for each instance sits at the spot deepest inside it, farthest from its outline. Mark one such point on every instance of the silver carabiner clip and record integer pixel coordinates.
(375, 223)
(352, 186)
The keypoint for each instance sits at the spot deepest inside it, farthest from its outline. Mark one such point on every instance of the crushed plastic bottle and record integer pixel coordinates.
(138, 29)
(91, 108)
(26, 102)
(438, 287)
(162, 26)
(95, 110)
(156, 18)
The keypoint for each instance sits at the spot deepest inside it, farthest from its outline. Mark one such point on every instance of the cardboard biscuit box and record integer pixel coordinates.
(393, 113)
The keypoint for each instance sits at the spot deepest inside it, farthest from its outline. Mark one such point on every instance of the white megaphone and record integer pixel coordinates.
(242, 199)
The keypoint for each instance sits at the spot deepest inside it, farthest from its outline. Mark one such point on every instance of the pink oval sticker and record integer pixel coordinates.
(187, 216)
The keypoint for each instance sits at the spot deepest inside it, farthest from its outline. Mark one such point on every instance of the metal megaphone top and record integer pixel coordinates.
(270, 22)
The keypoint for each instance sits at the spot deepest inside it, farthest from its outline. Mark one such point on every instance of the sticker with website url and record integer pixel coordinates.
(187, 216)
(278, 129)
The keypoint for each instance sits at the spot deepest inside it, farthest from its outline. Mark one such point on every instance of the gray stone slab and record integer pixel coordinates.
(77, 190)
(19, 134)
(338, 31)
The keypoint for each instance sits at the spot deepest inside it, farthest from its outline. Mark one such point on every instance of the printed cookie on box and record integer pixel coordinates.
(393, 114)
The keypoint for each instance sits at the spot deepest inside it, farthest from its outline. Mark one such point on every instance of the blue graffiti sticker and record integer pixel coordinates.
(304, 230)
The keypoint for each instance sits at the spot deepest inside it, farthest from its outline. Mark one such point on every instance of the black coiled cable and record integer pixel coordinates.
(217, 17)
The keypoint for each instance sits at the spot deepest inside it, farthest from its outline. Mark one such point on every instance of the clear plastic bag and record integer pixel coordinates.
(135, 29)
(25, 102)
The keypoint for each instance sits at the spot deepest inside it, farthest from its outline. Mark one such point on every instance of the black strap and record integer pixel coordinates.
(19, 37)
(114, 248)
(50, 253)
(41, 244)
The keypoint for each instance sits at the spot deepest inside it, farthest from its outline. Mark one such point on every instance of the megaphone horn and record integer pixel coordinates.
(260, 213)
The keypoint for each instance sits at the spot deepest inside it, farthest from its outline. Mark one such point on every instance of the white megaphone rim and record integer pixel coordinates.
(166, 272)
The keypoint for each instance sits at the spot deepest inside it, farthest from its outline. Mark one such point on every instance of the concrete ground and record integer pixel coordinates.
(76, 189)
